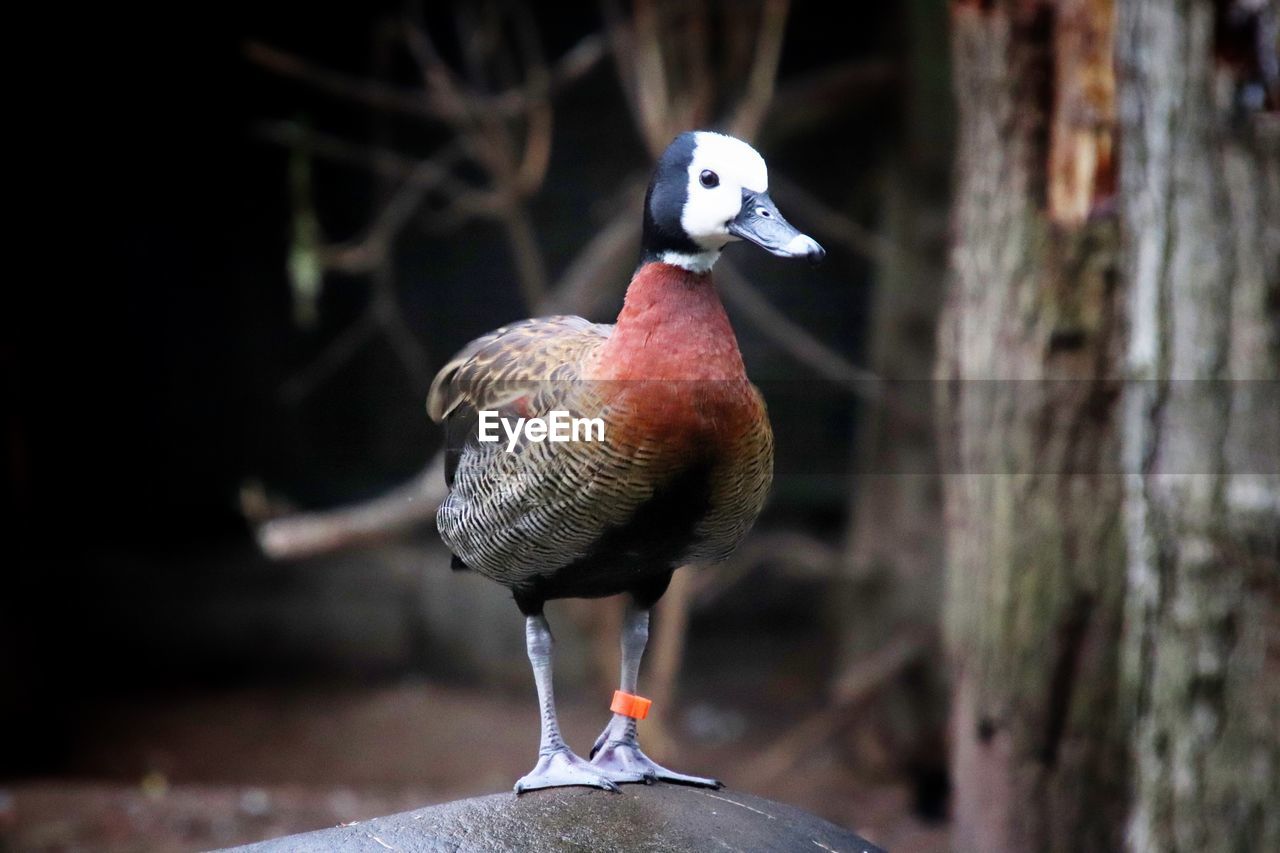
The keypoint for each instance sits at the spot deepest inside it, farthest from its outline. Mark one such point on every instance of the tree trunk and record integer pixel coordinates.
(1035, 548)
(1201, 211)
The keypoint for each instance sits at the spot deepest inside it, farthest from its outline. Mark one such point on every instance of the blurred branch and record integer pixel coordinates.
(694, 101)
(764, 71)
(339, 351)
(488, 139)
(853, 687)
(576, 63)
(403, 508)
(532, 166)
(381, 161)
(405, 345)
(787, 552)
(797, 342)
(666, 654)
(398, 205)
(585, 285)
(637, 55)
(372, 250)
(368, 92)
(793, 338)
(807, 101)
(418, 179)
(834, 226)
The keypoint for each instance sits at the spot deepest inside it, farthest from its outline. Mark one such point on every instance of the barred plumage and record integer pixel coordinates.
(553, 520)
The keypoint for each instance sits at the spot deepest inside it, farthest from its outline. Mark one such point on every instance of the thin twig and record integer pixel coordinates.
(438, 79)
(406, 346)
(403, 508)
(536, 154)
(666, 654)
(764, 70)
(622, 46)
(368, 92)
(652, 95)
(430, 175)
(598, 274)
(788, 553)
(857, 684)
(381, 161)
(531, 270)
(834, 226)
(488, 139)
(572, 66)
(338, 352)
(805, 102)
(792, 337)
(398, 203)
(372, 250)
(699, 91)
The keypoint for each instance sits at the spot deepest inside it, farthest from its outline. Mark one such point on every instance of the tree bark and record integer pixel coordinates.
(1035, 548)
(1201, 212)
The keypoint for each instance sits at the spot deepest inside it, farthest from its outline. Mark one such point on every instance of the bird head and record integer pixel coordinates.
(709, 190)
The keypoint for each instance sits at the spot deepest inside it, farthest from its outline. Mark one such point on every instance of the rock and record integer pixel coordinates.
(666, 818)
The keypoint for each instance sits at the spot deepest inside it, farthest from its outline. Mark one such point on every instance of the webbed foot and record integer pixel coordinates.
(561, 768)
(620, 759)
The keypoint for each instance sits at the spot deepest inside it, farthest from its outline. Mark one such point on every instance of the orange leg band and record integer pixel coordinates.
(629, 705)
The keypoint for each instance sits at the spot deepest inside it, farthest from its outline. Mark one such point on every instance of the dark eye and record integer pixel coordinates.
(709, 179)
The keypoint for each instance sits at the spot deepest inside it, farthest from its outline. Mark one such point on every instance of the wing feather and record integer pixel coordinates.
(511, 361)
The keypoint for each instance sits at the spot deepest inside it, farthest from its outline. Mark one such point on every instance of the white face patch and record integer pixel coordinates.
(708, 210)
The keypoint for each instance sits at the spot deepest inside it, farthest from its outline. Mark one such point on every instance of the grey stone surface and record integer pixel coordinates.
(640, 819)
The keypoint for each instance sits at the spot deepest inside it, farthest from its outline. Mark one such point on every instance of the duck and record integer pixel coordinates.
(677, 472)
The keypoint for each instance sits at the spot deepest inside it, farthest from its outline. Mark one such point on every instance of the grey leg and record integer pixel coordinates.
(617, 751)
(557, 766)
